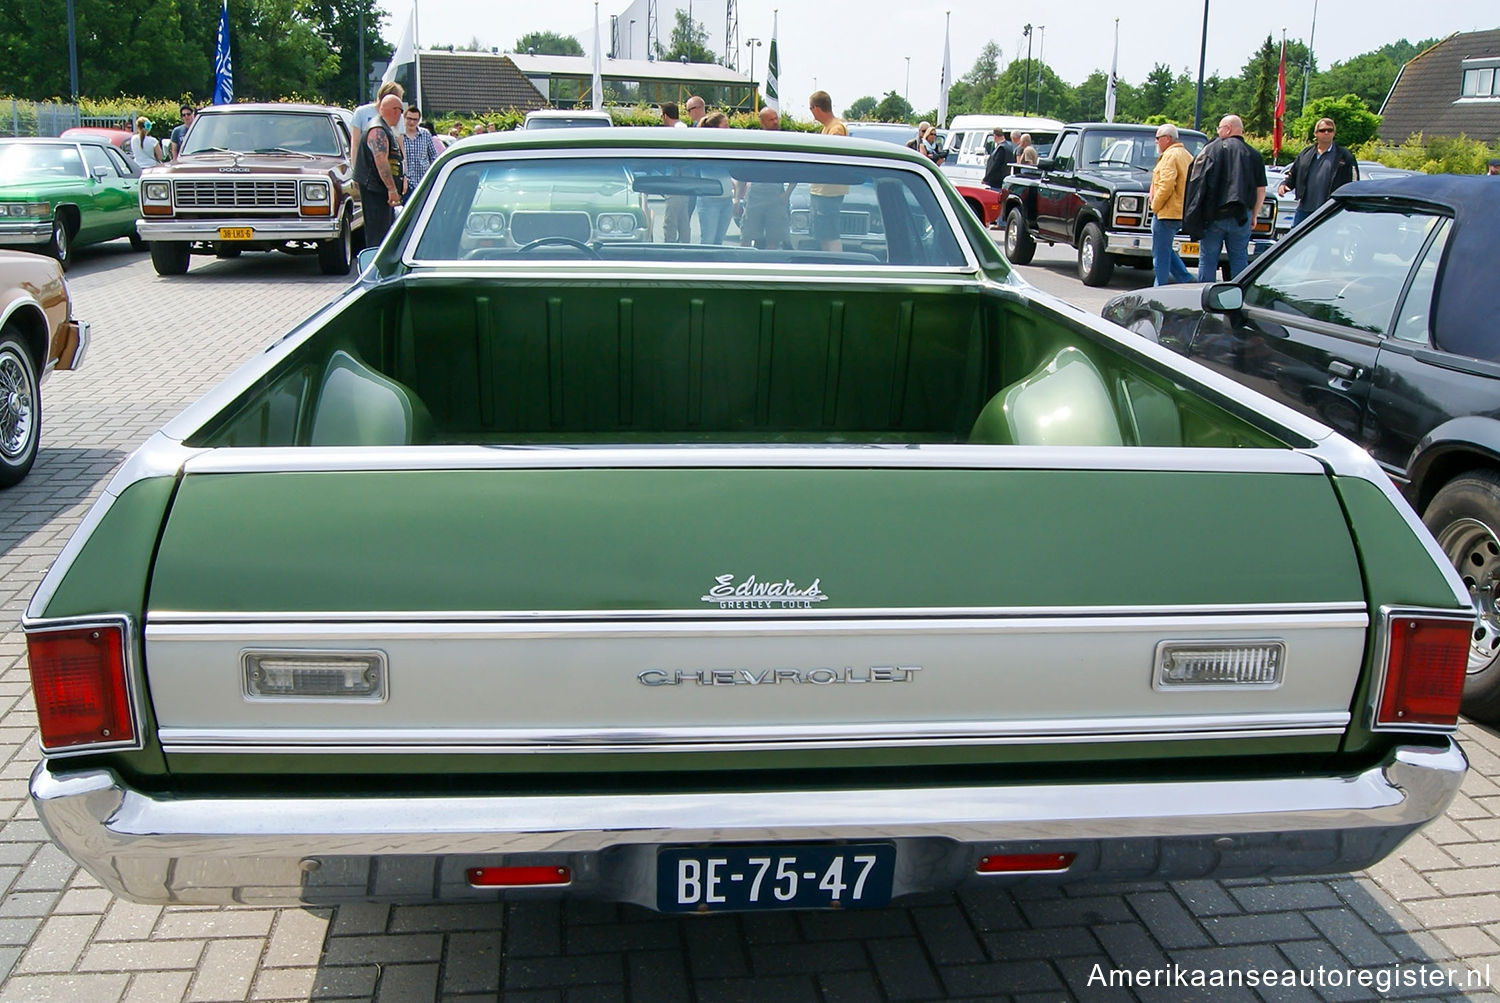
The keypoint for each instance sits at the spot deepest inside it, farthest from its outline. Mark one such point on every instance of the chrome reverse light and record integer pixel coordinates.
(1248, 664)
(320, 675)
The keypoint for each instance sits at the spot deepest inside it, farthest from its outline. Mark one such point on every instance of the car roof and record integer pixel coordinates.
(54, 140)
(264, 106)
(1464, 320)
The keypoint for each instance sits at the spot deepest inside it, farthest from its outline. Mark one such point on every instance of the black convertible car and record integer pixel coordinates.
(1381, 317)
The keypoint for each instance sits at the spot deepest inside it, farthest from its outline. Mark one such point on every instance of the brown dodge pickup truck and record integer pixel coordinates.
(256, 177)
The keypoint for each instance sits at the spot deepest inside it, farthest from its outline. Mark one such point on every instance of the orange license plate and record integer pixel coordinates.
(236, 232)
(1188, 248)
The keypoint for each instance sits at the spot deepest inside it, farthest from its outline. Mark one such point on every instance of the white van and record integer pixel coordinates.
(971, 137)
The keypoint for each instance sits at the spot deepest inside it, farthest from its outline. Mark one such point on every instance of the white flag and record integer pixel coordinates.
(773, 67)
(1109, 95)
(598, 85)
(406, 50)
(947, 80)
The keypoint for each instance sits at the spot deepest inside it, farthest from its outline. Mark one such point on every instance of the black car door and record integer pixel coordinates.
(1417, 385)
(1317, 311)
(1057, 192)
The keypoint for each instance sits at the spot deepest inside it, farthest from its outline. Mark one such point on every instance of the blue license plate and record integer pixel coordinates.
(779, 876)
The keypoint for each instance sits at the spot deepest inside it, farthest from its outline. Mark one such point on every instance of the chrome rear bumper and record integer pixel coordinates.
(288, 850)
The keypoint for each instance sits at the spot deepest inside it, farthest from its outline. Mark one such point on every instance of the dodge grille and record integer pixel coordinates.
(238, 194)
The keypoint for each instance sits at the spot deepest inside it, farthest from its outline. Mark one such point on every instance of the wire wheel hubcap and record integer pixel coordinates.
(16, 412)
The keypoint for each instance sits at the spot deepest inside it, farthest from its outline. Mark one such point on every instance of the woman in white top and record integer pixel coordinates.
(145, 149)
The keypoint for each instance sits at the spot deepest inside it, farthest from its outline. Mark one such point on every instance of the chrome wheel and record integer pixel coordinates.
(1475, 552)
(19, 411)
(1086, 256)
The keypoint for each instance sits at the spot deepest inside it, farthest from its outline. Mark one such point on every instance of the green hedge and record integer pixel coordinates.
(1438, 155)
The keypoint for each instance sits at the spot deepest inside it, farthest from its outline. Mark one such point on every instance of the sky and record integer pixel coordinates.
(852, 49)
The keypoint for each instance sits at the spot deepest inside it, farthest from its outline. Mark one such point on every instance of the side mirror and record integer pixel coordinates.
(1223, 297)
(101, 172)
(365, 258)
(1045, 163)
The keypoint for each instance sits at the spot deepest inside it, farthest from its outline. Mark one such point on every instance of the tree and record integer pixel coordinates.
(892, 108)
(1156, 91)
(986, 69)
(862, 110)
(549, 43)
(690, 39)
(1260, 74)
(1352, 118)
(340, 20)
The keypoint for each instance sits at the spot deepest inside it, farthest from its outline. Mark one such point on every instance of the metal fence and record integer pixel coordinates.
(50, 118)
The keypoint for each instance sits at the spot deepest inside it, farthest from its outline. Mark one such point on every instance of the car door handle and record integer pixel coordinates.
(1344, 370)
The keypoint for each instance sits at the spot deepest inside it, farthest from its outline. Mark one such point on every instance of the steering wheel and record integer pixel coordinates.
(561, 241)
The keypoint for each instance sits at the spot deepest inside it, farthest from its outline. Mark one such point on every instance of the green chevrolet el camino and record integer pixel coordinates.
(730, 578)
(57, 194)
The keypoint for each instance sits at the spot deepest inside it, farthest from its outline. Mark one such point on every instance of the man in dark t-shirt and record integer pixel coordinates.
(997, 167)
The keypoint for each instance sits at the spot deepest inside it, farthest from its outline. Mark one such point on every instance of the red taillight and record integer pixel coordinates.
(518, 877)
(1025, 863)
(78, 681)
(1426, 659)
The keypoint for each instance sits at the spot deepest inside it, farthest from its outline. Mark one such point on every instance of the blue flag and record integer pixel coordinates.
(223, 66)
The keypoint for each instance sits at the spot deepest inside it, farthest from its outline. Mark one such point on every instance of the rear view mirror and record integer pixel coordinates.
(1223, 297)
(101, 172)
(365, 258)
(1046, 163)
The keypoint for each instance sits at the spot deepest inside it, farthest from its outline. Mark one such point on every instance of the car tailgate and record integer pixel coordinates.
(709, 608)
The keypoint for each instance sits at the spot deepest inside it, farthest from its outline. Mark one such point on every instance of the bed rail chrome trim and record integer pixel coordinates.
(313, 741)
(538, 623)
(282, 459)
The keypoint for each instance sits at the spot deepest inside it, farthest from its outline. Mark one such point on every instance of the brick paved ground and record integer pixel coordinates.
(159, 343)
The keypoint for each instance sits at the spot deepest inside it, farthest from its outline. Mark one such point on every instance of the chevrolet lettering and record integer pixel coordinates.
(771, 677)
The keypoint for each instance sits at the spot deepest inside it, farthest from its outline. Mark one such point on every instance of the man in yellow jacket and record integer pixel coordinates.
(1168, 189)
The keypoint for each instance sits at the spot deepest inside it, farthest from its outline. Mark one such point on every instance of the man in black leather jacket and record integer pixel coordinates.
(1226, 186)
(997, 167)
(1319, 171)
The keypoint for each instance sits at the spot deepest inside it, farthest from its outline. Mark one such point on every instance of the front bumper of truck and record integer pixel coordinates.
(262, 229)
(290, 850)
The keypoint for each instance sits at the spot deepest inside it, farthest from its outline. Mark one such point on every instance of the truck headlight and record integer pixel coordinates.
(1129, 204)
(156, 191)
(315, 191)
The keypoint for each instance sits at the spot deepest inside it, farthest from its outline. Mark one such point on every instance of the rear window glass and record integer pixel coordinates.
(686, 209)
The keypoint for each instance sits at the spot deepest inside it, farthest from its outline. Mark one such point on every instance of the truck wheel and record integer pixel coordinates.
(1465, 518)
(335, 255)
(1019, 245)
(60, 246)
(1095, 266)
(20, 408)
(170, 257)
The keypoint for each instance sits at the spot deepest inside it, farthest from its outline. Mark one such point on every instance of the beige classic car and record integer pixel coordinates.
(37, 334)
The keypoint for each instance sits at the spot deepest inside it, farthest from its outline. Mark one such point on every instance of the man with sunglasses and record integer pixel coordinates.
(174, 141)
(1319, 171)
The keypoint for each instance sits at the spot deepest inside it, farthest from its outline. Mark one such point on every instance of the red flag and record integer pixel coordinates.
(1280, 105)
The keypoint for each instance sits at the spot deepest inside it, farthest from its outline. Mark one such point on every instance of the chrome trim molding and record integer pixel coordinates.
(1350, 613)
(314, 741)
(282, 459)
(133, 687)
(1383, 649)
(262, 850)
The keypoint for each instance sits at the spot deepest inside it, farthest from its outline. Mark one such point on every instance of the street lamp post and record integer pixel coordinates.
(630, 46)
(72, 53)
(751, 44)
(1307, 63)
(906, 94)
(1041, 63)
(1202, 58)
(362, 82)
(1026, 90)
